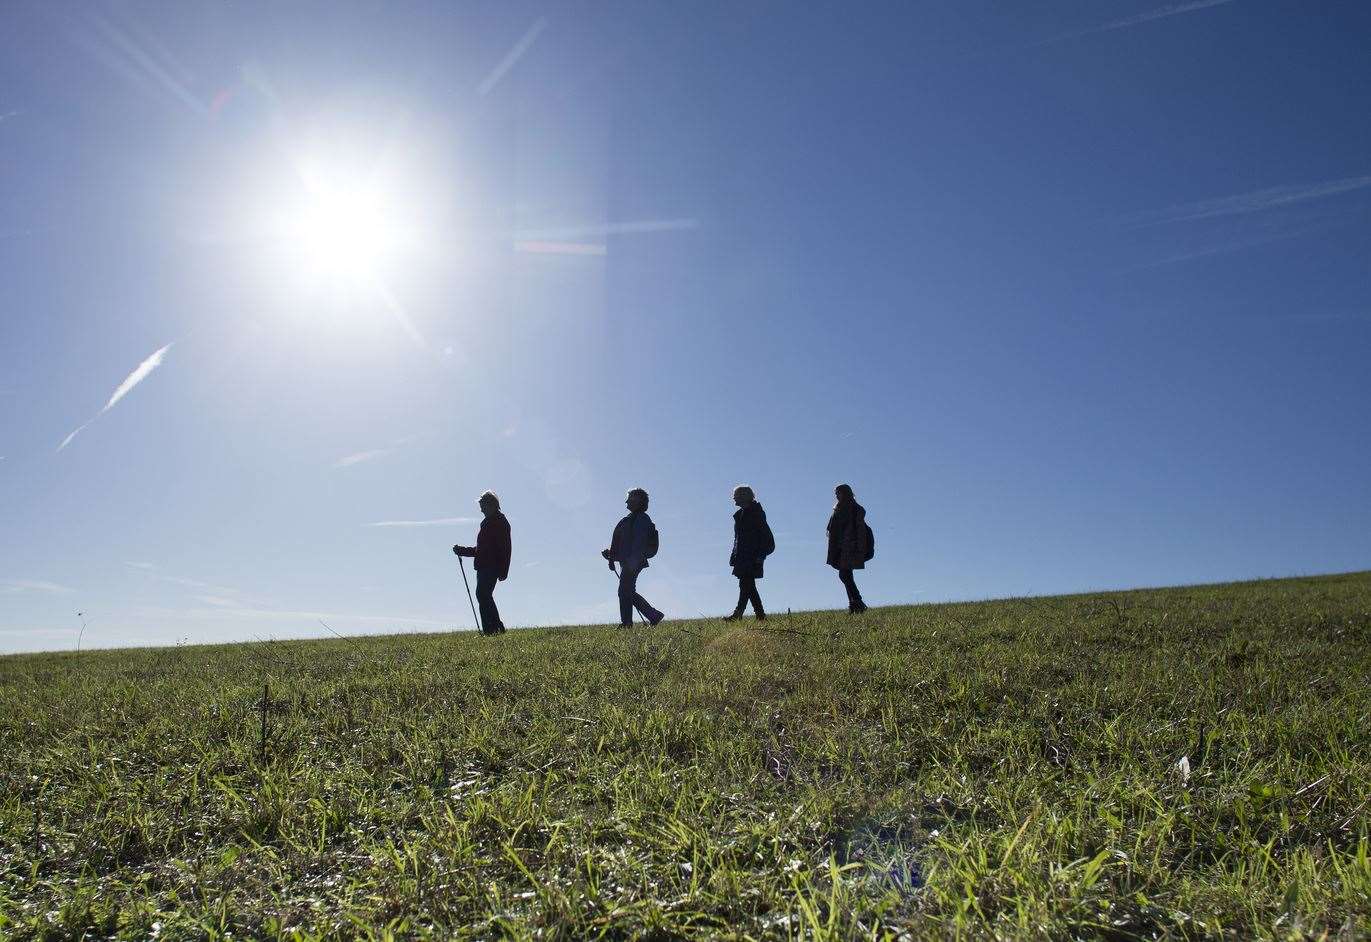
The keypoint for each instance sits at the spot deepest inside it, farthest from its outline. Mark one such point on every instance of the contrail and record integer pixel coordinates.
(139, 374)
(1174, 9)
(439, 522)
(76, 431)
(1245, 203)
(607, 229)
(548, 247)
(358, 457)
(15, 586)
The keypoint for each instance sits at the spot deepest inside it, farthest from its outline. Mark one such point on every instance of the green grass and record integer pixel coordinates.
(1004, 769)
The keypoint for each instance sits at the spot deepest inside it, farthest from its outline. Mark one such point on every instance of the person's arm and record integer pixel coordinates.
(611, 554)
(470, 550)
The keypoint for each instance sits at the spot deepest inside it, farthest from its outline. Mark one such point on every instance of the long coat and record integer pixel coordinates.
(752, 541)
(847, 544)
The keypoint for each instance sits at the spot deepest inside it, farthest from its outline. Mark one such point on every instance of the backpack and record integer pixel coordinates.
(768, 540)
(653, 541)
(870, 543)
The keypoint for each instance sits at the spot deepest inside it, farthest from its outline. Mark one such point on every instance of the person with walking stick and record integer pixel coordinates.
(491, 556)
(633, 544)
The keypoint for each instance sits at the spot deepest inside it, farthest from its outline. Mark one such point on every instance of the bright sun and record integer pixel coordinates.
(345, 232)
(348, 222)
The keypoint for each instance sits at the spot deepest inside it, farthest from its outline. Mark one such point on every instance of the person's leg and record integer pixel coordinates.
(743, 596)
(485, 598)
(845, 577)
(756, 598)
(857, 606)
(645, 609)
(854, 597)
(630, 599)
(494, 616)
(628, 583)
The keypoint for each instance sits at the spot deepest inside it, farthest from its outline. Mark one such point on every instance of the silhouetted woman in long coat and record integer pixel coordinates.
(849, 543)
(491, 560)
(752, 543)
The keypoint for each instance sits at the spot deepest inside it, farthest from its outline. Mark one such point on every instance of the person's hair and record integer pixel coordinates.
(843, 491)
(490, 495)
(638, 492)
(742, 490)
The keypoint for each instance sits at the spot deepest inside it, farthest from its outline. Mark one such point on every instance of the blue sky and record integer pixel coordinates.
(1074, 294)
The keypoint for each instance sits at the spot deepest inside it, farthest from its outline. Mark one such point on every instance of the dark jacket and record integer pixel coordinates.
(493, 546)
(847, 543)
(752, 541)
(635, 539)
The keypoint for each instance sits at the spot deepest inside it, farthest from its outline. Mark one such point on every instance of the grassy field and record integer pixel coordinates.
(1187, 763)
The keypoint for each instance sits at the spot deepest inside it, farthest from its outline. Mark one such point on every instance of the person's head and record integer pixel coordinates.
(636, 501)
(489, 503)
(742, 495)
(843, 493)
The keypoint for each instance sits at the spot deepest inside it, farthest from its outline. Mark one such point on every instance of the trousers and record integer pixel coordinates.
(629, 599)
(747, 592)
(486, 580)
(854, 597)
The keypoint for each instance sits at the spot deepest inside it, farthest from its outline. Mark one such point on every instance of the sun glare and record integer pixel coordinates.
(345, 223)
(345, 232)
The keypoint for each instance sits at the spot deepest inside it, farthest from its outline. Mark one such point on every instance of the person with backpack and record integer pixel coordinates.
(752, 544)
(490, 560)
(633, 544)
(850, 543)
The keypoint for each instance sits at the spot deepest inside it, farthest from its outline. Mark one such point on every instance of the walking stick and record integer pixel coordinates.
(474, 617)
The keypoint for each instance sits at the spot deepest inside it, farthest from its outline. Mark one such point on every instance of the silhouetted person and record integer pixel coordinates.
(849, 543)
(633, 544)
(491, 561)
(752, 544)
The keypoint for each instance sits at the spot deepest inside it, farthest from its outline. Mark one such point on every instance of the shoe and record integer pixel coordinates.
(734, 617)
(656, 619)
(856, 608)
(761, 616)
